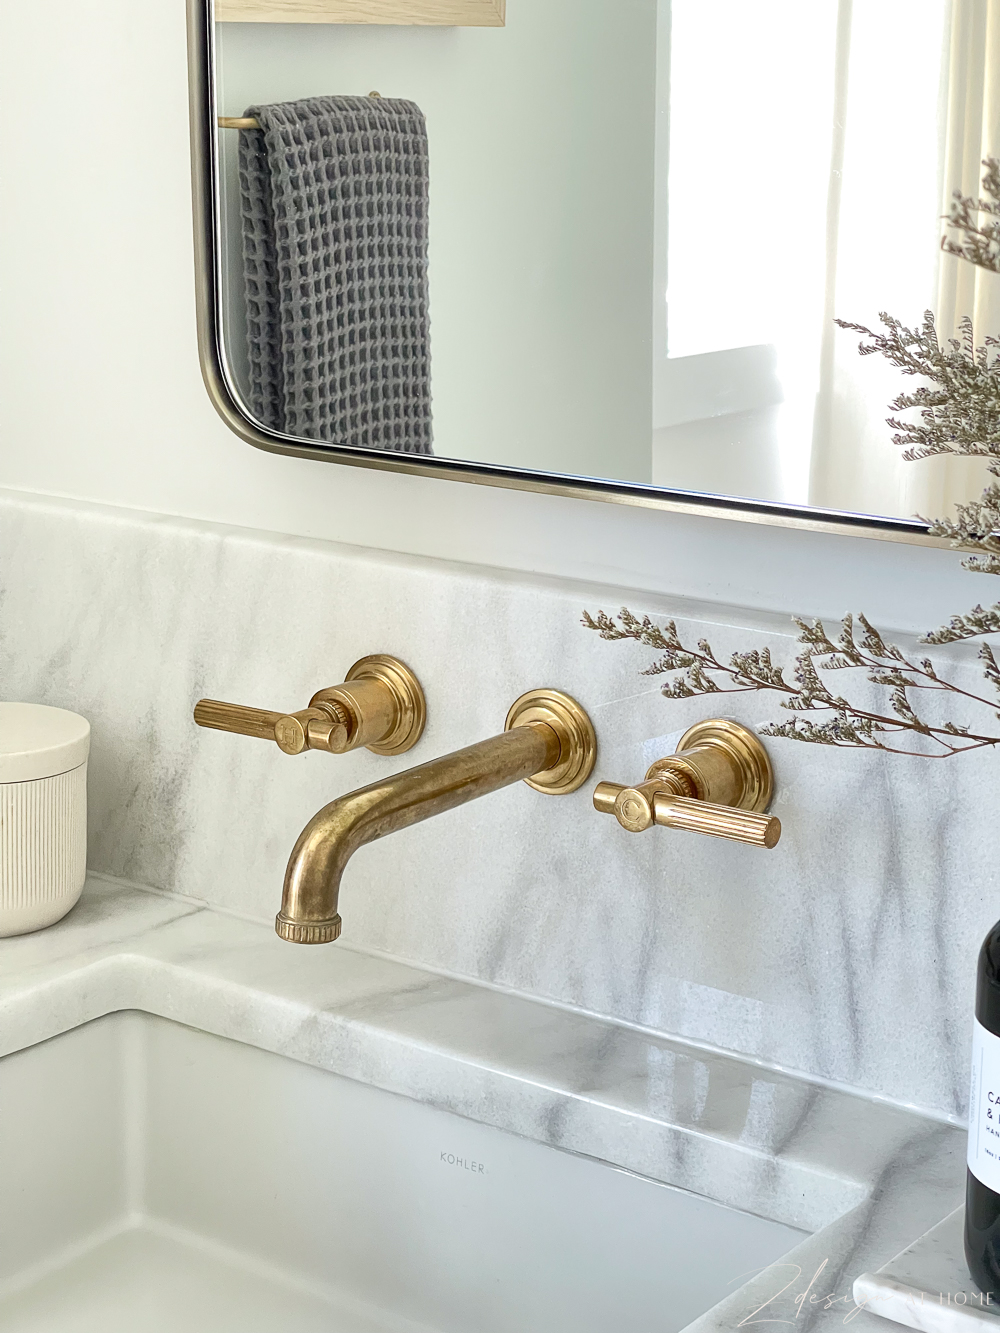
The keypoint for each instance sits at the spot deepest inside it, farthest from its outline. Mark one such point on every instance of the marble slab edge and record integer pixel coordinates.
(750, 1138)
(927, 1286)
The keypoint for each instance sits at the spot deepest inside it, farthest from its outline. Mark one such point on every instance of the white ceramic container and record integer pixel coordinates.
(43, 814)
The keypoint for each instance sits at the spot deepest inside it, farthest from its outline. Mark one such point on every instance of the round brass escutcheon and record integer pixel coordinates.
(577, 740)
(745, 752)
(408, 696)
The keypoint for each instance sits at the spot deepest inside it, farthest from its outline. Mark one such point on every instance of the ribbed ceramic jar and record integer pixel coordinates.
(43, 814)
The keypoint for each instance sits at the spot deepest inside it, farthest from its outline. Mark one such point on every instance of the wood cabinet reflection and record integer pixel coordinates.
(452, 13)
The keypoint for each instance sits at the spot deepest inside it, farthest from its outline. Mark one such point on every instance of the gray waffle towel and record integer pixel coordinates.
(334, 202)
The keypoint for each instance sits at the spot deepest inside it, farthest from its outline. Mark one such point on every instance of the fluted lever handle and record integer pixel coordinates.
(294, 733)
(636, 810)
(720, 821)
(379, 705)
(256, 722)
(719, 782)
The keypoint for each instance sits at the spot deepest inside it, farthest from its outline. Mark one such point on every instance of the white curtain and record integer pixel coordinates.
(826, 226)
(972, 133)
(940, 89)
(883, 232)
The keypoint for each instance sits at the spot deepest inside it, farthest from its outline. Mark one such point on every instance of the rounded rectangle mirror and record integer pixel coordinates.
(625, 249)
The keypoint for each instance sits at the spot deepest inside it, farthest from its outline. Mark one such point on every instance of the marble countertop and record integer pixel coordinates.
(866, 1177)
(928, 1287)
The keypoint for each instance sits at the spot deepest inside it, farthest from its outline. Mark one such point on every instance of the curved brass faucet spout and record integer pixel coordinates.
(549, 740)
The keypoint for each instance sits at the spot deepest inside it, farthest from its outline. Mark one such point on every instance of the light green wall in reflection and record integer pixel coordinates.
(541, 145)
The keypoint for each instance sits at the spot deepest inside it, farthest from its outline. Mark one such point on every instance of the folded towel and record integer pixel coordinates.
(334, 202)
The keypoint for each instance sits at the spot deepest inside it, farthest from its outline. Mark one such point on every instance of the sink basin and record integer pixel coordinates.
(157, 1180)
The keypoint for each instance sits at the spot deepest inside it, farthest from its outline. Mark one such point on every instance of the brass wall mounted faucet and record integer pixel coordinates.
(379, 705)
(548, 742)
(719, 782)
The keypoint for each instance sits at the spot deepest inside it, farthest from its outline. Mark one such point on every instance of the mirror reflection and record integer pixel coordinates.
(609, 239)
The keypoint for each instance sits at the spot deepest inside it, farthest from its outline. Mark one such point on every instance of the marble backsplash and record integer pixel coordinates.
(848, 953)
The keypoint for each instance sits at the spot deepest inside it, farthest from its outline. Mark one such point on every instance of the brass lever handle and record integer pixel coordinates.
(380, 705)
(256, 722)
(294, 733)
(681, 812)
(719, 782)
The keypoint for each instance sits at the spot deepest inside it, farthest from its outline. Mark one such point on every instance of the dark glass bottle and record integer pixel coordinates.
(982, 1198)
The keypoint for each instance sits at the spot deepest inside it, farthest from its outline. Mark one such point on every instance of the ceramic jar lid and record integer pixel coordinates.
(39, 742)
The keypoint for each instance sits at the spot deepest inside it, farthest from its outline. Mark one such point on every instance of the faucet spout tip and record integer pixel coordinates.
(307, 932)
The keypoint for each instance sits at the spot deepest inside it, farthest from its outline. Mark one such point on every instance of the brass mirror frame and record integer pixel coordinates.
(222, 390)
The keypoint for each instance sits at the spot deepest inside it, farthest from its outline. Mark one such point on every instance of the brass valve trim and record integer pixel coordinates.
(577, 739)
(750, 762)
(409, 711)
(380, 705)
(719, 782)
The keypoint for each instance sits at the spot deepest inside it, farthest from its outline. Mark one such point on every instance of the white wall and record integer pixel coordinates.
(102, 399)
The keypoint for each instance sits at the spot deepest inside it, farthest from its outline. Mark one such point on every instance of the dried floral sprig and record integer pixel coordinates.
(959, 413)
(960, 407)
(982, 242)
(846, 724)
(975, 528)
(886, 666)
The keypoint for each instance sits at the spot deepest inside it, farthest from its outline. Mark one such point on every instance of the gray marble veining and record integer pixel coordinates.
(928, 1286)
(847, 953)
(859, 1174)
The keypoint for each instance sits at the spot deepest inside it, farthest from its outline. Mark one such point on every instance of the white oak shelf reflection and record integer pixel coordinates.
(450, 13)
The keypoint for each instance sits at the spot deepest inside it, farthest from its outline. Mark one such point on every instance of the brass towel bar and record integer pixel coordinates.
(251, 122)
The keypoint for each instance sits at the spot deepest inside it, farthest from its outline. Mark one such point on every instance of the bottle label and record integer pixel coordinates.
(984, 1108)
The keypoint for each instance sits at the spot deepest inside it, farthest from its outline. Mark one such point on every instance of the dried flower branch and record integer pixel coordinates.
(960, 408)
(959, 413)
(845, 724)
(982, 242)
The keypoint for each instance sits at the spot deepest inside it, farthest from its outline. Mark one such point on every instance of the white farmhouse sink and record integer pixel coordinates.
(154, 1178)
